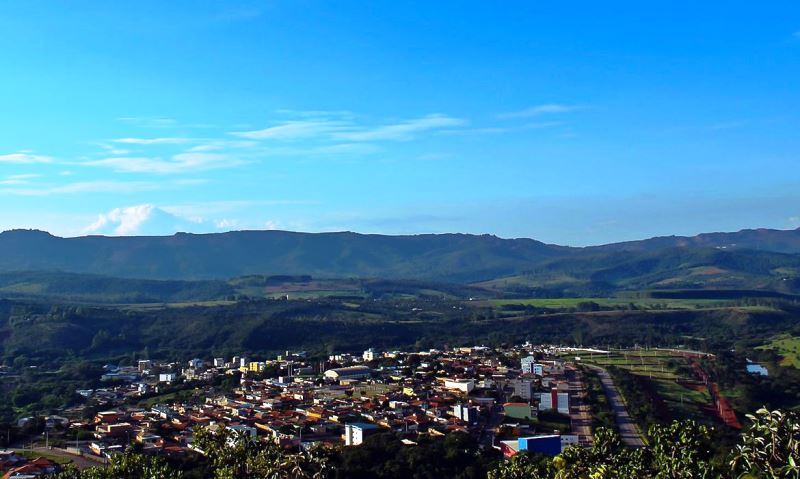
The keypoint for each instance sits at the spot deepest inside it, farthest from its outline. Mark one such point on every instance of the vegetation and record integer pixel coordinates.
(769, 449)
(787, 347)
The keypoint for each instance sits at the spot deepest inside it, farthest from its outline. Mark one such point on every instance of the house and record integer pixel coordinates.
(33, 469)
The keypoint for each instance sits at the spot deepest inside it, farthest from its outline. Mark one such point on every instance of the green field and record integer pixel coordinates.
(665, 370)
(31, 455)
(788, 347)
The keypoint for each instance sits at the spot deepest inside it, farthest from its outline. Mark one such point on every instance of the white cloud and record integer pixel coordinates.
(82, 187)
(404, 130)
(150, 220)
(144, 219)
(149, 122)
(182, 162)
(548, 108)
(226, 224)
(25, 157)
(22, 179)
(293, 130)
(168, 140)
(347, 130)
(216, 145)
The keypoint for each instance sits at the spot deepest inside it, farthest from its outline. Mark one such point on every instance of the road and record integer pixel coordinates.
(489, 431)
(627, 428)
(579, 412)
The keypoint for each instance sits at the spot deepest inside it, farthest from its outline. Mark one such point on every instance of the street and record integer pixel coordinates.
(627, 428)
(580, 413)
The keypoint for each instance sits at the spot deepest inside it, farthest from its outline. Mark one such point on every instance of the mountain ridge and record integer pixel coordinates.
(452, 257)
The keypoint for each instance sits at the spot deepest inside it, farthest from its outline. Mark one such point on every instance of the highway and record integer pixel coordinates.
(627, 428)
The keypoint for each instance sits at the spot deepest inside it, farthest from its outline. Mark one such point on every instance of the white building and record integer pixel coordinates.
(196, 363)
(352, 372)
(527, 364)
(466, 413)
(355, 433)
(464, 385)
(219, 362)
(167, 377)
(369, 354)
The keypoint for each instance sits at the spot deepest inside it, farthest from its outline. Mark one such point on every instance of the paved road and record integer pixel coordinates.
(579, 412)
(487, 436)
(627, 428)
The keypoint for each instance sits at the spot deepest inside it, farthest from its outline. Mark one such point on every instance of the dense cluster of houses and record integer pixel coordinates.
(494, 395)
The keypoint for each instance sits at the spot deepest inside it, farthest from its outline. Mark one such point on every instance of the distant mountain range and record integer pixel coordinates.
(748, 259)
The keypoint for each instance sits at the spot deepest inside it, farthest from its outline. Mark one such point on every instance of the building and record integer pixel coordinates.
(355, 433)
(464, 385)
(352, 372)
(145, 365)
(524, 388)
(519, 410)
(167, 377)
(370, 354)
(554, 401)
(466, 413)
(219, 362)
(548, 445)
(196, 364)
(527, 364)
(257, 366)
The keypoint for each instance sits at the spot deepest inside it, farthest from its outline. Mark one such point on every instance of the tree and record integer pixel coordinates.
(770, 448)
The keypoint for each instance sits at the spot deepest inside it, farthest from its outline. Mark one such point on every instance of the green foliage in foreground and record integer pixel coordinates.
(769, 449)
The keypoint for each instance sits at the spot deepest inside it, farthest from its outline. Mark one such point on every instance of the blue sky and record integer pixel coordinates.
(575, 123)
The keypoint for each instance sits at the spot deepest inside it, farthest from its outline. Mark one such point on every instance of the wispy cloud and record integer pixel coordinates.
(152, 141)
(181, 162)
(404, 130)
(149, 122)
(25, 157)
(293, 130)
(22, 179)
(497, 130)
(82, 187)
(341, 129)
(548, 108)
(728, 125)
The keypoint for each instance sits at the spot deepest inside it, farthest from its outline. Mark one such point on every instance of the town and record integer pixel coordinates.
(528, 398)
